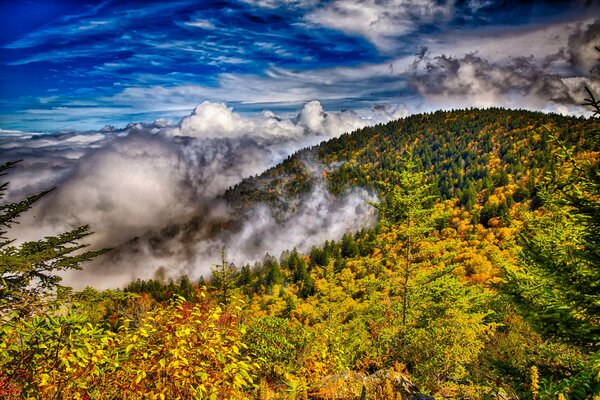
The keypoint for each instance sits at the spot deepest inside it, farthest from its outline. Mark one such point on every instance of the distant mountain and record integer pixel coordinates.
(467, 154)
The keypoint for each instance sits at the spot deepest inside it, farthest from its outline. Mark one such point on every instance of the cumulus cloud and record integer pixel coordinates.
(581, 48)
(154, 191)
(474, 81)
(217, 120)
(316, 120)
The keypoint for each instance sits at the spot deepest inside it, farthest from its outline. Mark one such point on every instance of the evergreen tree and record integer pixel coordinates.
(406, 205)
(300, 274)
(223, 278)
(29, 270)
(272, 272)
(558, 287)
(349, 248)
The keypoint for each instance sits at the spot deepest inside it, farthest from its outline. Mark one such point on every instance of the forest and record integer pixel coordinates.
(480, 280)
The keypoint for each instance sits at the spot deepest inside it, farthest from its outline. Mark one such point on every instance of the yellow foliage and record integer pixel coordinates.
(177, 351)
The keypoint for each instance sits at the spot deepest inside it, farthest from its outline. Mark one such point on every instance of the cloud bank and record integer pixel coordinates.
(554, 82)
(153, 191)
(192, 249)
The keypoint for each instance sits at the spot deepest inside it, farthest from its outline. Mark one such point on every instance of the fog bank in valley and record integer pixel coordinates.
(139, 187)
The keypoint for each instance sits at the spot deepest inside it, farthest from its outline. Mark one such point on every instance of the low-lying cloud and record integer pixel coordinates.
(191, 249)
(153, 191)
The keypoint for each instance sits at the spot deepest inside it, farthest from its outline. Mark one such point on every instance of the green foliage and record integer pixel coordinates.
(299, 273)
(449, 334)
(163, 292)
(407, 207)
(278, 343)
(407, 200)
(559, 286)
(223, 278)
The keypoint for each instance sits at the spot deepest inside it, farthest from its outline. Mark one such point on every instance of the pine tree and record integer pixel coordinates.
(558, 287)
(223, 278)
(406, 206)
(29, 270)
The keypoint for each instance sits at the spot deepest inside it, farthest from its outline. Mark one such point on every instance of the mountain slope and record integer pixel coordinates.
(468, 154)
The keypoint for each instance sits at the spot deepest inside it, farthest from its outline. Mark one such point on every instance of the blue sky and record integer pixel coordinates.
(85, 64)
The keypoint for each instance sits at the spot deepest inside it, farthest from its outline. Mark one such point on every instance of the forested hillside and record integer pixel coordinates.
(480, 280)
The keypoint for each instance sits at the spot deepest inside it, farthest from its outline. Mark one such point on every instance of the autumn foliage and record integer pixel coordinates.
(477, 283)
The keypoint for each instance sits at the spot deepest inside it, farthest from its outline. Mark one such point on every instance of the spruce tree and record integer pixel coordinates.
(223, 278)
(558, 284)
(29, 270)
(406, 206)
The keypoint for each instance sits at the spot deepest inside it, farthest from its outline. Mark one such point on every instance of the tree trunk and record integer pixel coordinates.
(406, 277)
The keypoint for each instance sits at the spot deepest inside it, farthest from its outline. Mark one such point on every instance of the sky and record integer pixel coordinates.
(82, 65)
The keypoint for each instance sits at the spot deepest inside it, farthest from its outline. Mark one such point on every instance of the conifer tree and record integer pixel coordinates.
(223, 278)
(407, 207)
(558, 287)
(30, 269)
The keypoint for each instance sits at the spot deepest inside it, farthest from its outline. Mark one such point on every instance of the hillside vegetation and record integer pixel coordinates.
(480, 280)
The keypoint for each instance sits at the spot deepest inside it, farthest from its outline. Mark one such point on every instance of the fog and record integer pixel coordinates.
(153, 191)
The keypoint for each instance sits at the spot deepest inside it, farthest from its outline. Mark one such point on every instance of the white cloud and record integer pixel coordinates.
(380, 21)
(320, 217)
(315, 119)
(131, 185)
(210, 120)
(200, 23)
(138, 181)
